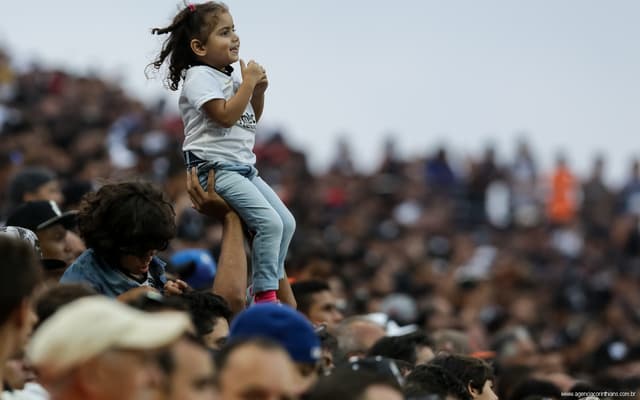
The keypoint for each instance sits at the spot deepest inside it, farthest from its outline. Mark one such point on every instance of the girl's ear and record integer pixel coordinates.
(197, 48)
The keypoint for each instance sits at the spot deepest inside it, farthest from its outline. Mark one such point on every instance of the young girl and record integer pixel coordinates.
(220, 115)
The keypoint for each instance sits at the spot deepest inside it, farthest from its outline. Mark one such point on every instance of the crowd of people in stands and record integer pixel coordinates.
(121, 277)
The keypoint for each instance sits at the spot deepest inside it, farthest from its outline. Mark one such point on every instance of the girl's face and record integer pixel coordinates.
(223, 45)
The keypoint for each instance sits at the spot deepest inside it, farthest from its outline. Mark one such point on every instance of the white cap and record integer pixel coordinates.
(91, 325)
(390, 326)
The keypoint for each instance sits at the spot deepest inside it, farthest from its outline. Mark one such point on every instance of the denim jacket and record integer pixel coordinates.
(109, 281)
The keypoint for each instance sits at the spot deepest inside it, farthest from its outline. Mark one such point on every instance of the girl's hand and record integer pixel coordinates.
(261, 86)
(252, 72)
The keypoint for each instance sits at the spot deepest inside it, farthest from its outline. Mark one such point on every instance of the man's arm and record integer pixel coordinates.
(285, 294)
(231, 276)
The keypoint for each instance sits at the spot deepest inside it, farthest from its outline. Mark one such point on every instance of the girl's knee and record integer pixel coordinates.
(272, 225)
(289, 223)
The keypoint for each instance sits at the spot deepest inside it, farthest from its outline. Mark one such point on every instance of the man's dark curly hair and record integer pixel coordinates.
(433, 379)
(471, 371)
(205, 308)
(126, 218)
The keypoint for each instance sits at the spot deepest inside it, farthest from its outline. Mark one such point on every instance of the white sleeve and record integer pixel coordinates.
(201, 86)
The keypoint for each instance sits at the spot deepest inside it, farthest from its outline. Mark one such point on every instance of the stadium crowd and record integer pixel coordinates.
(426, 279)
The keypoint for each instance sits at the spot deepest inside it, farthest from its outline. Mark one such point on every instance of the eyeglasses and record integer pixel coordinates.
(136, 252)
(143, 251)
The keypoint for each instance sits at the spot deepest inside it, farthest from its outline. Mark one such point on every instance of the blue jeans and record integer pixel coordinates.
(261, 210)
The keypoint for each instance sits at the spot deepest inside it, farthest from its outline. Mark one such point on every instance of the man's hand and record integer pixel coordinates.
(208, 203)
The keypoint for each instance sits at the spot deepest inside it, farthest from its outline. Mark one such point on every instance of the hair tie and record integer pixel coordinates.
(192, 7)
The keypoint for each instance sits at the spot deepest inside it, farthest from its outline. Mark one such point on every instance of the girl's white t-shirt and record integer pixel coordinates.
(203, 137)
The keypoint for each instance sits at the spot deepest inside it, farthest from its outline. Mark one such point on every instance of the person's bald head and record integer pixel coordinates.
(356, 335)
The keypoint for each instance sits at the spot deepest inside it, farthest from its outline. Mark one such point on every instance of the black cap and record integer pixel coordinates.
(37, 215)
(28, 180)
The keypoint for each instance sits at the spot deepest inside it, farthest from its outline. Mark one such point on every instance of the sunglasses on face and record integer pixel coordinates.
(140, 251)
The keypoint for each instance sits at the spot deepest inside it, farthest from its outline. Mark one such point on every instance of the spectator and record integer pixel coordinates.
(34, 184)
(356, 335)
(52, 228)
(562, 198)
(317, 302)
(124, 225)
(19, 275)
(439, 175)
(54, 297)
(346, 383)
(41, 184)
(97, 348)
(429, 379)
(413, 348)
(598, 201)
(523, 175)
(451, 341)
(481, 176)
(475, 375)
(210, 314)
(514, 346)
(189, 371)
(329, 346)
(630, 193)
(46, 304)
(256, 369)
(187, 364)
(287, 327)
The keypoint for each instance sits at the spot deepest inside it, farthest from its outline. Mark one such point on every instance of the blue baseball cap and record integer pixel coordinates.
(195, 266)
(282, 324)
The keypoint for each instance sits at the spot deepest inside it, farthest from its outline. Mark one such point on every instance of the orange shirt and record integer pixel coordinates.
(562, 202)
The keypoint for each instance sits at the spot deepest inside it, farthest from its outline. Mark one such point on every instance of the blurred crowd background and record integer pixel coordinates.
(539, 266)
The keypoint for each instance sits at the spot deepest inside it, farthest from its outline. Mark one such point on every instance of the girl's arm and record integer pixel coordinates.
(227, 112)
(257, 100)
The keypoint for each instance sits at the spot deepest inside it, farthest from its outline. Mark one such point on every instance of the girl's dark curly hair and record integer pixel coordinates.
(196, 21)
(126, 218)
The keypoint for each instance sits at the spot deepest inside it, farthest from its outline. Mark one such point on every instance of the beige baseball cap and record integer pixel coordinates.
(92, 325)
